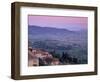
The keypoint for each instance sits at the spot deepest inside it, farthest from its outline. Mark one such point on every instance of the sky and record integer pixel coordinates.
(65, 22)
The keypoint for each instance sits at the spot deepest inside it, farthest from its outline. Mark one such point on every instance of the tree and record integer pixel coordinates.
(41, 62)
(64, 57)
(53, 53)
(75, 60)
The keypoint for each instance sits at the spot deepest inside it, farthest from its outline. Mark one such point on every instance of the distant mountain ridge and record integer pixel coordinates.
(49, 27)
(44, 30)
(53, 33)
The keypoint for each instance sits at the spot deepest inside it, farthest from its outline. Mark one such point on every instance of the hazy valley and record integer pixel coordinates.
(61, 43)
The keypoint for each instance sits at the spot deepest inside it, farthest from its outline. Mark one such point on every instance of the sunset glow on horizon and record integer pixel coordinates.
(66, 22)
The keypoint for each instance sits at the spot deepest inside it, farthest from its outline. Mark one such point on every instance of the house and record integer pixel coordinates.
(40, 54)
(32, 59)
(37, 57)
(33, 62)
(55, 61)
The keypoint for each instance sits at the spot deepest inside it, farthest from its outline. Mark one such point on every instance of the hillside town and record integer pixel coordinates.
(37, 57)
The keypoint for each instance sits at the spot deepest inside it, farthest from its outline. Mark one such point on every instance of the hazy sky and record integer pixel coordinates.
(66, 22)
